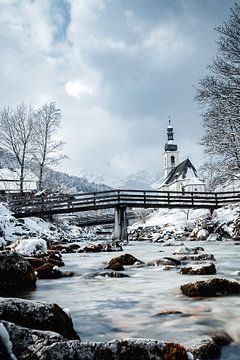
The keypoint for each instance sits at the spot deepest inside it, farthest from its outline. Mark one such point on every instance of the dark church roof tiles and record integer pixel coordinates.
(180, 171)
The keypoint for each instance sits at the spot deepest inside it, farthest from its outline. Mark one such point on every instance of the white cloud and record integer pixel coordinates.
(166, 45)
(94, 73)
(75, 88)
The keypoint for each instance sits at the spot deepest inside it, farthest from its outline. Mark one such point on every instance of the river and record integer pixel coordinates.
(107, 308)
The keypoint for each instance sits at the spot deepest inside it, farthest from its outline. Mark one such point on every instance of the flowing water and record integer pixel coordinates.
(108, 308)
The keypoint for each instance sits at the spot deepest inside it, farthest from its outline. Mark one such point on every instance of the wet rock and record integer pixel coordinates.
(201, 269)
(15, 272)
(36, 262)
(64, 248)
(48, 271)
(163, 262)
(200, 257)
(115, 265)
(183, 250)
(93, 248)
(175, 262)
(211, 287)
(28, 343)
(37, 315)
(41, 345)
(126, 259)
(169, 312)
(111, 274)
(208, 347)
(113, 246)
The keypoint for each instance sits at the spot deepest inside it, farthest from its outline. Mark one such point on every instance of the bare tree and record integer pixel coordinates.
(47, 150)
(219, 94)
(16, 131)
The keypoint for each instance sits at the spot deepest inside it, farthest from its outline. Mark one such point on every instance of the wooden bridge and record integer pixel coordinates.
(100, 219)
(120, 200)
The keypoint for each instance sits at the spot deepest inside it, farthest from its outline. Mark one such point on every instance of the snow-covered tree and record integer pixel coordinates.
(47, 149)
(219, 94)
(16, 134)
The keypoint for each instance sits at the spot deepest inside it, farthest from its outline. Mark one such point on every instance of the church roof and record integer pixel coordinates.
(180, 171)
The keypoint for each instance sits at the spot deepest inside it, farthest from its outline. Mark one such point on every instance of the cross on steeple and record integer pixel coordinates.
(169, 120)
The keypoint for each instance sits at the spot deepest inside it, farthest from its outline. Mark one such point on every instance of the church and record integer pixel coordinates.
(178, 176)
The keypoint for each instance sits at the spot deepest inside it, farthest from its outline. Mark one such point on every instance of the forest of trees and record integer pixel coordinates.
(218, 93)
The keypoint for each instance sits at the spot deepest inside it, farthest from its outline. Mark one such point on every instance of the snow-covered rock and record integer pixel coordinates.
(202, 234)
(31, 247)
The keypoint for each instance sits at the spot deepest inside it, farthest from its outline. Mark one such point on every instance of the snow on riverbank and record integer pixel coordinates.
(198, 224)
(38, 231)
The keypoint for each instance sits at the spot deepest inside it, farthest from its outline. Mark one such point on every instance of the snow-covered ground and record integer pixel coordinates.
(198, 223)
(21, 232)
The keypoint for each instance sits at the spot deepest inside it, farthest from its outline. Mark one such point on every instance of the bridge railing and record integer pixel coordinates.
(126, 198)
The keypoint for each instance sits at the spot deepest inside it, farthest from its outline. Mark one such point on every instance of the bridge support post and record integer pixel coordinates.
(120, 225)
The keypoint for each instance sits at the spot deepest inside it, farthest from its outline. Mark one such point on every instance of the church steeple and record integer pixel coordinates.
(170, 146)
(171, 154)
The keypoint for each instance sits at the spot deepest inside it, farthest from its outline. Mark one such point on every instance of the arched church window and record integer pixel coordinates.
(172, 160)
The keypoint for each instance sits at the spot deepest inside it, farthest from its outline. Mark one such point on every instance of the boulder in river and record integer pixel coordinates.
(115, 265)
(199, 257)
(112, 274)
(48, 271)
(15, 272)
(64, 248)
(126, 259)
(164, 262)
(211, 287)
(37, 315)
(199, 269)
(208, 347)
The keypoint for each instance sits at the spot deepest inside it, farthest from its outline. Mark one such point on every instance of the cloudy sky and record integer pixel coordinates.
(117, 69)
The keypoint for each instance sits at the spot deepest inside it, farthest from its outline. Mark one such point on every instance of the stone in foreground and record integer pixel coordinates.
(211, 287)
(37, 315)
(15, 272)
(208, 347)
(45, 345)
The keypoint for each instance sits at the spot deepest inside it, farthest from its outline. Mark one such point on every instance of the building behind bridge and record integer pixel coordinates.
(178, 176)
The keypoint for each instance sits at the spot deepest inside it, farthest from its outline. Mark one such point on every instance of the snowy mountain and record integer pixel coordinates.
(63, 181)
(56, 179)
(141, 180)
